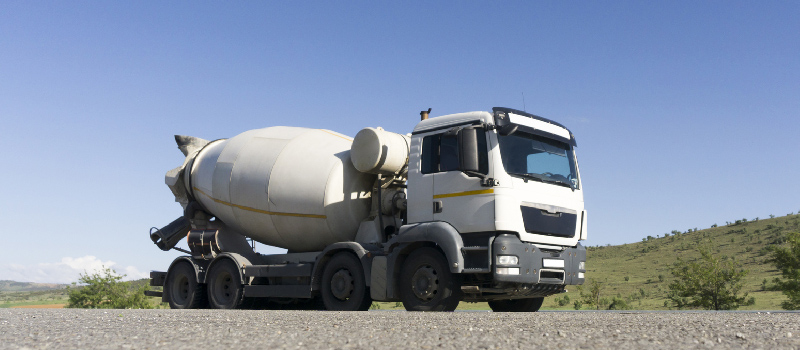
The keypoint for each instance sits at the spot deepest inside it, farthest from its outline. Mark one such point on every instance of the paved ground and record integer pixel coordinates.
(220, 329)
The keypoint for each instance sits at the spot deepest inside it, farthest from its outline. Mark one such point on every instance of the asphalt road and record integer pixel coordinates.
(224, 329)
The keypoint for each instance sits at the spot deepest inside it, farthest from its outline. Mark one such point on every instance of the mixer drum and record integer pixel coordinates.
(288, 187)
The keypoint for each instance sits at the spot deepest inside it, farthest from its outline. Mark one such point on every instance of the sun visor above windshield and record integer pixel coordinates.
(537, 125)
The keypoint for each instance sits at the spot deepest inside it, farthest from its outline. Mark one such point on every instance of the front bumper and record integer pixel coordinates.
(536, 266)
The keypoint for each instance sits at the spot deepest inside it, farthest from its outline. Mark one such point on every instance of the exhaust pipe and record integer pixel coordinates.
(424, 114)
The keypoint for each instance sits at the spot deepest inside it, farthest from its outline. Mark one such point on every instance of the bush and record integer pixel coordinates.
(788, 261)
(562, 301)
(105, 290)
(710, 283)
(618, 303)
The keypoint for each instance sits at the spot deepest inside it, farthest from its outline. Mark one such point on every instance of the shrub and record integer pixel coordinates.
(787, 259)
(105, 290)
(711, 283)
(618, 303)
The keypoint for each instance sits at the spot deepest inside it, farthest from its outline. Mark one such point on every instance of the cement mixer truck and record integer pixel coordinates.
(476, 207)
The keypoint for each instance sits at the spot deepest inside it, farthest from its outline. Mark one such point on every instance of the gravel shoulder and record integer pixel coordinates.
(193, 329)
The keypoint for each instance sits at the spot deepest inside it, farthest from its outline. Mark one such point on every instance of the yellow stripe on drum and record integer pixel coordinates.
(467, 193)
(313, 216)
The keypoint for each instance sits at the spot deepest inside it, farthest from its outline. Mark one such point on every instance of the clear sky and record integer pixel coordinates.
(686, 113)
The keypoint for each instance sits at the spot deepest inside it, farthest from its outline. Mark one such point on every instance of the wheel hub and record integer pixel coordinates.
(224, 287)
(342, 284)
(425, 283)
(180, 289)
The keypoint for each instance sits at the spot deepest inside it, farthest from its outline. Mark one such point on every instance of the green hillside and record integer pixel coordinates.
(13, 286)
(640, 274)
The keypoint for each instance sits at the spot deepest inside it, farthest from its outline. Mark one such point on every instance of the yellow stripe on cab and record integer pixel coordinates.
(467, 193)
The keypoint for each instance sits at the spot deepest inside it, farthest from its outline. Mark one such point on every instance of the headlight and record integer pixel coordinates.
(508, 270)
(582, 265)
(507, 260)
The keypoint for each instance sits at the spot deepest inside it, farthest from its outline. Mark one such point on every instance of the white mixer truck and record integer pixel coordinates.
(478, 206)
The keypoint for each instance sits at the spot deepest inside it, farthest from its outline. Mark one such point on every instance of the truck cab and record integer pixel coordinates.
(508, 183)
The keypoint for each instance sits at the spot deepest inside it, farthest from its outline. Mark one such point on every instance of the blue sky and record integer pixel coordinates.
(685, 113)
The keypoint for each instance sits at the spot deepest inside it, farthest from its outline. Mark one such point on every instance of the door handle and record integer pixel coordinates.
(437, 207)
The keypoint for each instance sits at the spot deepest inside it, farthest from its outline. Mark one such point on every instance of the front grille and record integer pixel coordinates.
(538, 221)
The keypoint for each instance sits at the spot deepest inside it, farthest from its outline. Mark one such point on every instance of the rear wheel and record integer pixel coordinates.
(182, 288)
(517, 305)
(426, 283)
(343, 286)
(225, 289)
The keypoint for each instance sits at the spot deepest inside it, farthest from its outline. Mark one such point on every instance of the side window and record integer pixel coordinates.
(440, 153)
(448, 153)
(483, 152)
(430, 154)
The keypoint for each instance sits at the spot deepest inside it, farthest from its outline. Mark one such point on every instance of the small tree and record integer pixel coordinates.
(710, 283)
(592, 297)
(788, 261)
(105, 290)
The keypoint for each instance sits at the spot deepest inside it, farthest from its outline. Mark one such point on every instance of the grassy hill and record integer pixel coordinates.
(640, 272)
(13, 286)
(36, 297)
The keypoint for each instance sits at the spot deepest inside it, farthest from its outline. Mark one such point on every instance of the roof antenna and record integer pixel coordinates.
(523, 103)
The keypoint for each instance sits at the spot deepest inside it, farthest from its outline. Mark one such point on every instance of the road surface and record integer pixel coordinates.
(233, 329)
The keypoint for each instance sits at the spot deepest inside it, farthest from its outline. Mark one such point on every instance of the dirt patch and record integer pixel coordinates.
(45, 306)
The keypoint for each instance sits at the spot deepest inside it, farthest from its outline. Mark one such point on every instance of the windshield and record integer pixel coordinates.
(538, 158)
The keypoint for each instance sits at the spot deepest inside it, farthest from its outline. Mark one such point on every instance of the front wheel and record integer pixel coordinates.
(517, 305)
(426, 283)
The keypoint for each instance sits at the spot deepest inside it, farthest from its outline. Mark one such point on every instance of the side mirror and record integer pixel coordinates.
(504, 126)
(468, 150)
(506, 130)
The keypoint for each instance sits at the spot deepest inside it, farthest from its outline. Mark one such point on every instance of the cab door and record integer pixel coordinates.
(458, 198)
(420, 184)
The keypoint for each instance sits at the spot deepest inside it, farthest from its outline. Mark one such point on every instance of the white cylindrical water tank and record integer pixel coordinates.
(377, 151)
(288, 187)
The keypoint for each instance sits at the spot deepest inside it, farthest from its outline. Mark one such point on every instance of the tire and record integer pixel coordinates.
(182, 289)
(225, 289)
(426, 283)
(517, 305)
(343, 286)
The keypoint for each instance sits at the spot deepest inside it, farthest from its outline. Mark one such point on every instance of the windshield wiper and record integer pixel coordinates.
(527, 176)
(560, 183)
(543, 178)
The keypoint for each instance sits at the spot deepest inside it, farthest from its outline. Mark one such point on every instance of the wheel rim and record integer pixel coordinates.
(342, 284)
(180, 289)
(425, 283)
(223, 287)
